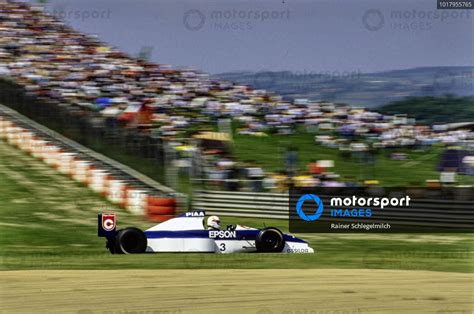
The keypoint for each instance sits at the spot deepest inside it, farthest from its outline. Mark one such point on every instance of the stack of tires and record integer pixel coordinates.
(118, 187)
(160, 207)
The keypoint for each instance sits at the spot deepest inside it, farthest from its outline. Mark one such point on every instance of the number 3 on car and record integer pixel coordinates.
(222, 247)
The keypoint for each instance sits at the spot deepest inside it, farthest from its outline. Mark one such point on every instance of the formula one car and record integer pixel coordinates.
(186, 233)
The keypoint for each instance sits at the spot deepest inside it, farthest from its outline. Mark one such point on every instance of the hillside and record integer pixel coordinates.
(361, 89)
(431, 110)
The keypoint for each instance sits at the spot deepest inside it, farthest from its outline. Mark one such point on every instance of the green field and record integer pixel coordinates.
(269, 153)
(48, 221)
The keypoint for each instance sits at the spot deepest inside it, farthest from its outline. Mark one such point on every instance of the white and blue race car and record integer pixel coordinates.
(186, 233)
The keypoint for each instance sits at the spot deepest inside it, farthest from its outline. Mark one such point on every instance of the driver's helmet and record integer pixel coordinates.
(214, 222)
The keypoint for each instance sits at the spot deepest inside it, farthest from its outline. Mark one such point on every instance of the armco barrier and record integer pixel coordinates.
(242, 204)
(422, 212)
(118, 183)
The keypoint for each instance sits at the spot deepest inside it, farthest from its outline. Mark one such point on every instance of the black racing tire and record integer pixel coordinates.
(270, 240)
(130, 241)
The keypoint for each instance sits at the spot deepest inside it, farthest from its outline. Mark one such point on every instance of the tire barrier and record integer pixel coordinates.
(53, 156)
(160, 218)
(161, 201)
(137, 201)
(117, 192)
(98, 180)
(66, 161)
(114, 184)
(79, 170)
(160, 208)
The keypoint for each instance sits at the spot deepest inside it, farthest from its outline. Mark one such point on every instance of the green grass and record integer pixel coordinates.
(269, 153)
(48, 221)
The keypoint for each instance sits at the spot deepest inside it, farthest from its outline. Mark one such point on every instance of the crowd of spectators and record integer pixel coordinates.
(53, 62)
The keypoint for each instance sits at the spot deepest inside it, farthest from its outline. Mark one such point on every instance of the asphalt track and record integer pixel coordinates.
(235, 291)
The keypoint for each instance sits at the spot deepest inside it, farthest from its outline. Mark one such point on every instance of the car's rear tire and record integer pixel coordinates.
(130, 241)
(270, 240)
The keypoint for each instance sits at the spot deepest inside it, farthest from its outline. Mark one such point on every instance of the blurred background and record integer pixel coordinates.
(151, 108)
(252, 96)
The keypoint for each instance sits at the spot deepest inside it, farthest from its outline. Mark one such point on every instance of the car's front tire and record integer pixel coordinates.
(270, 240)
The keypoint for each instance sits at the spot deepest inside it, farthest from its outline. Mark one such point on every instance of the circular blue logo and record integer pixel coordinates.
(302, 214)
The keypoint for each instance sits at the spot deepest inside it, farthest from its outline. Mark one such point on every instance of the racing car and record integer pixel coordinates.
(186, 233)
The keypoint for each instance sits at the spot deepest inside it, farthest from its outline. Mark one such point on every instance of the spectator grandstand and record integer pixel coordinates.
(55, 64)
